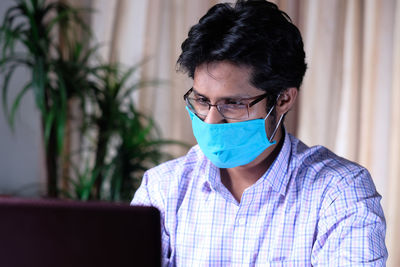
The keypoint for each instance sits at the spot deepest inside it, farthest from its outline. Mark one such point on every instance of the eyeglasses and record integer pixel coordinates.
(232, 108)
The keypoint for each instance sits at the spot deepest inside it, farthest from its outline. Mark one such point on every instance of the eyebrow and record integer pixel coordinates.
(237, 96)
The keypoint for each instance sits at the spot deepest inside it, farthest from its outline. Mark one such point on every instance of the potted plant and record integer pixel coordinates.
(62, 69)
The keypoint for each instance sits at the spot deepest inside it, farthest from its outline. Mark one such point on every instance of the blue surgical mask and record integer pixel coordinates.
(228, 145)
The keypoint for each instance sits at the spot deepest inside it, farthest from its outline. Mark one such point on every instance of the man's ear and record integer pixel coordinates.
(286, 100)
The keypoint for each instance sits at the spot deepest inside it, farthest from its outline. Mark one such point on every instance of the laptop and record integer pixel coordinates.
(49, 233)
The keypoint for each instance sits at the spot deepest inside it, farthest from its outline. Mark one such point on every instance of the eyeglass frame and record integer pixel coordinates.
(255, 101)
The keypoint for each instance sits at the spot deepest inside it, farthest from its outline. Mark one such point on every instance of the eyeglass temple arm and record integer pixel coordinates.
(257, 100)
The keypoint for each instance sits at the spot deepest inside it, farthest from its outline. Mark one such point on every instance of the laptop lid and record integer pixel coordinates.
(73, 234)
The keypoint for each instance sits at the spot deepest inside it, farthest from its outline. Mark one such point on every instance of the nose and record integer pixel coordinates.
(214, 116)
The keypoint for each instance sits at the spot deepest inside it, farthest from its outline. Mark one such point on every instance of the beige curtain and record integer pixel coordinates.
(348, 101)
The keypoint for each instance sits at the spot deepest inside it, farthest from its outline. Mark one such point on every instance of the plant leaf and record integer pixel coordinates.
(38, 84)
(5, 86)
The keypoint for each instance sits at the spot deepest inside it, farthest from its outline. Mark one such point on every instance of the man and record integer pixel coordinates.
(250, 194)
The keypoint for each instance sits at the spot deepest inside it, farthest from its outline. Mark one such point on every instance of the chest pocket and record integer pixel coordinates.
(286, 239)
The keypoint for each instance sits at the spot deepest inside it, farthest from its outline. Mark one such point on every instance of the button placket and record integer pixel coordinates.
(243, 210)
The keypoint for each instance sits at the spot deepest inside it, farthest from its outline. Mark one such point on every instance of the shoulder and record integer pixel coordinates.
(324, 171)
(176, 168)
(350, 221)
(320, 160)
(169, 178)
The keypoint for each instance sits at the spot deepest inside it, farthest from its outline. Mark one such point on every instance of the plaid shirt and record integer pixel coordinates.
(311, 207)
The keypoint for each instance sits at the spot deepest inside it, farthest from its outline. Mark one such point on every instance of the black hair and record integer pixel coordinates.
(253, 33)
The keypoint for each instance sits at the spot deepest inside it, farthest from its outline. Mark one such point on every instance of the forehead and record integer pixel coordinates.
(224, 79)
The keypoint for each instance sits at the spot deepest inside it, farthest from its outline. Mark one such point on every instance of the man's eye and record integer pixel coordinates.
(202, 101)
(234, 102)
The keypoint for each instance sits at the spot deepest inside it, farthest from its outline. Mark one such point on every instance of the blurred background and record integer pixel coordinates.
(95, 95)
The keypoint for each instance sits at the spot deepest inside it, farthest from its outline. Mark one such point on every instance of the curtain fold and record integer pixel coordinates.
(347, 130)
(320, 97)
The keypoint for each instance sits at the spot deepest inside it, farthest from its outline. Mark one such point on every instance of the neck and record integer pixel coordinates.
(237, 179)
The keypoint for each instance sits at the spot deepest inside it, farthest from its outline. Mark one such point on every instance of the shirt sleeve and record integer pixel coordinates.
(351, 229)
(149, 194)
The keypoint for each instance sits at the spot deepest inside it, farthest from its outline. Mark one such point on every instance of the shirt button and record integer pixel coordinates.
(242, 221)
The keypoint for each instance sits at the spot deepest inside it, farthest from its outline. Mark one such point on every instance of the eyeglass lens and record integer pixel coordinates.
(228, 111)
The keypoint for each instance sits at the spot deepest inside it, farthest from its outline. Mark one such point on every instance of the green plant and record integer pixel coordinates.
(132, 136)
(31, 25)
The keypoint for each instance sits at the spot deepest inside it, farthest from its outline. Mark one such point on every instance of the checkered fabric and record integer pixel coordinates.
(311, 208)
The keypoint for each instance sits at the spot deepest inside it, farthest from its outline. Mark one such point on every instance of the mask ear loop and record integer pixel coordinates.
(276, 128)
(277, 125)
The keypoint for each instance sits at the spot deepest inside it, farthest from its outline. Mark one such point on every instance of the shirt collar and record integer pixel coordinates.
(211, 175)
(276, 175)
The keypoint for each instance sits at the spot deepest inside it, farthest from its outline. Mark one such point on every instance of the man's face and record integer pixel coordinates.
(218, 81)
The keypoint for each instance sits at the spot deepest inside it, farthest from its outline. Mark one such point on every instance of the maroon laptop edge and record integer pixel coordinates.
(48, 233)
